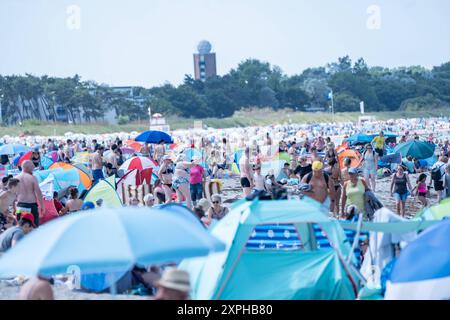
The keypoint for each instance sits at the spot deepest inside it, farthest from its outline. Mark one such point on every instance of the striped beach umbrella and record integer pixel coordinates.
(139, 163)
(422, 271)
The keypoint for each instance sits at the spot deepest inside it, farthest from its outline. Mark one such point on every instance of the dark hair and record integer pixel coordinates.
(23, 222)
(55, 194)
(421, 177)
(99, 148)
(157, 182)
(13, 182)
(409, 158)
(114, 147)
(224, 140)
(5, 180)
(286, 164)
(73, 193)
(109, 166)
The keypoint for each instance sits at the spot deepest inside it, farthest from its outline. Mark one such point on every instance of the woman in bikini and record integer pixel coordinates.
(165, 174)
(335, 176)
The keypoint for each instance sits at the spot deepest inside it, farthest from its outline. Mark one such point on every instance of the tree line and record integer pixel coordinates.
(252, 84)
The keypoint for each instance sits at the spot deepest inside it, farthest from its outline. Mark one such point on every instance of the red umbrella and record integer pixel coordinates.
(26, 156)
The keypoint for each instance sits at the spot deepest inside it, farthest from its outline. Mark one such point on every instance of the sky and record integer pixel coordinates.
(151, 42)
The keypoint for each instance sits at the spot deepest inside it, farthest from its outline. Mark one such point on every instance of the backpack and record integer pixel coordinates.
(436, 173)
(309, 177)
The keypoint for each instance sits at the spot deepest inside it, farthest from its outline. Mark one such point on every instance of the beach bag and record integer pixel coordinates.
(436, 173)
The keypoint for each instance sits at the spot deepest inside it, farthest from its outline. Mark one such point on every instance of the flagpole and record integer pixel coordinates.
(332, 105)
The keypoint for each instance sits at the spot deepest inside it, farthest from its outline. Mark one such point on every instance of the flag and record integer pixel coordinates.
(330, 95)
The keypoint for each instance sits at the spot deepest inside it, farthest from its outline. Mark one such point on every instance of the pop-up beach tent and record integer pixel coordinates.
(303, 270)
(105, 190)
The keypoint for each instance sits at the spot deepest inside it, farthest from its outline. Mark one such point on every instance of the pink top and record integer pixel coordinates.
(196, 175)
(422, 187)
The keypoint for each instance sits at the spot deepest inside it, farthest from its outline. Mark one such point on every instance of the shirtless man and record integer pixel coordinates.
(246, 174)
(7, 199)
(37, 288)
(97, 164)
(159, 152)
(112, 158)
(29, 192)
(321, 191)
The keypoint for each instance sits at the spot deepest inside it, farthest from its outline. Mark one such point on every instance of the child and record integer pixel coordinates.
(421, 189)
(447, 182)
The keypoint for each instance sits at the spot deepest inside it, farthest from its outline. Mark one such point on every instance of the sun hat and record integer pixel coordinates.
(29, 217)
(317, 165)
(175, 279)
(204, 204)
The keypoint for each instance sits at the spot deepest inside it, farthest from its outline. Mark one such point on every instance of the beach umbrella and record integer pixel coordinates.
(52, 155)
(359, 138)
(82, 157)
(416, 149)
(15, 148)
(139, 163)
(422, 270)
(109, 240)
(153, 136)
(24, 157)
(16, 159)
(134, 145)
(127, 150)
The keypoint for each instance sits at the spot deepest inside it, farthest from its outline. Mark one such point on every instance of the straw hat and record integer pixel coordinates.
(175, 279)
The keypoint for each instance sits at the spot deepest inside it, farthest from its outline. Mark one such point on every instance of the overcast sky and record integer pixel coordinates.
(149, 42)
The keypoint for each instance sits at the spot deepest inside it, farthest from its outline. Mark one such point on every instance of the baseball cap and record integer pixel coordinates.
(353, 171)
(29, 217)
(88, 205)
(317, 165)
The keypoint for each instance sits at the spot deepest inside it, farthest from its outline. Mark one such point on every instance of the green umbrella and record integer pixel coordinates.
(416, 149)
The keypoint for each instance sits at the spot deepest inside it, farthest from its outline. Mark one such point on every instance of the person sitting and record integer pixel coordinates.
(173, 285)
(149, 200)
(217, 211)
(11, 236)
(58, 205)
(74, 203)
(409, 164)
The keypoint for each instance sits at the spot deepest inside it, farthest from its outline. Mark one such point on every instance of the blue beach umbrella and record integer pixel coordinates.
(416, 149)
(153, 136)
(15, 148)
(359, 138)
(422, 270)
(108, 240)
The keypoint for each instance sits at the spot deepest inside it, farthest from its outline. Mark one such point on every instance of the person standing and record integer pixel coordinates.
(246, 174)
(369, 164)
(437, 176)
(165, 174)
(446, 191)
(379, 143)
(112, 158)
(399, 189)
(159, 152)
(322, 188)
(97, 164)
(353, 192)
(29, 194)
(196, 177)
(303, 167)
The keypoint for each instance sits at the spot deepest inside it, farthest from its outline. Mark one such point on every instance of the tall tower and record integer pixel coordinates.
(204, 61)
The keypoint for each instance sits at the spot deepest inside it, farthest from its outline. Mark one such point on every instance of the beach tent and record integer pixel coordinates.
(422, 271)
(437, 212)
(82, 157)
(85, 178)
(354, 156)
(301, 271)
(105, 190)
(60, 178)
(359, 138)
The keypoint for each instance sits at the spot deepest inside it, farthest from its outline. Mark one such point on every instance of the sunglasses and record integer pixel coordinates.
(216, 202)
